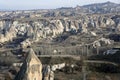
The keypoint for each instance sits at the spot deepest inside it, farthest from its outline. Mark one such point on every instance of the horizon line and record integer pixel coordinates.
(30, 9)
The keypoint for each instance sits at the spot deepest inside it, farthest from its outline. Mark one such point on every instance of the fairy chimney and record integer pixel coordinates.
(31, 68)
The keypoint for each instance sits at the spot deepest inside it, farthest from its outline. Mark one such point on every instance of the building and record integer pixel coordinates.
(112, 51)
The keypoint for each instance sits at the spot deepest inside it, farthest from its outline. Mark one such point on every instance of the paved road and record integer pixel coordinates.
(76, 57)
(101, 62)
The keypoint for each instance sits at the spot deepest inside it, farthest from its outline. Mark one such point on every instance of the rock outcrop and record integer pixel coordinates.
(31, 68)
(35, 30)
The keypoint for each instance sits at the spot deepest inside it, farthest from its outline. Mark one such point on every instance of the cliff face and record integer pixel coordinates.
(50, 28)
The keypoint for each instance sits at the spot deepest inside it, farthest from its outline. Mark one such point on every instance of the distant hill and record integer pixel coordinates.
(107, 7)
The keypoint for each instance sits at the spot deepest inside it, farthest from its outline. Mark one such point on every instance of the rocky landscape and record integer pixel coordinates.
(91, 31)
(34, 31)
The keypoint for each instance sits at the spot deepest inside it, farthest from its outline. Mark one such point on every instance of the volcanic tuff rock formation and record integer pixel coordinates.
(51, 28)
(31, 68)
